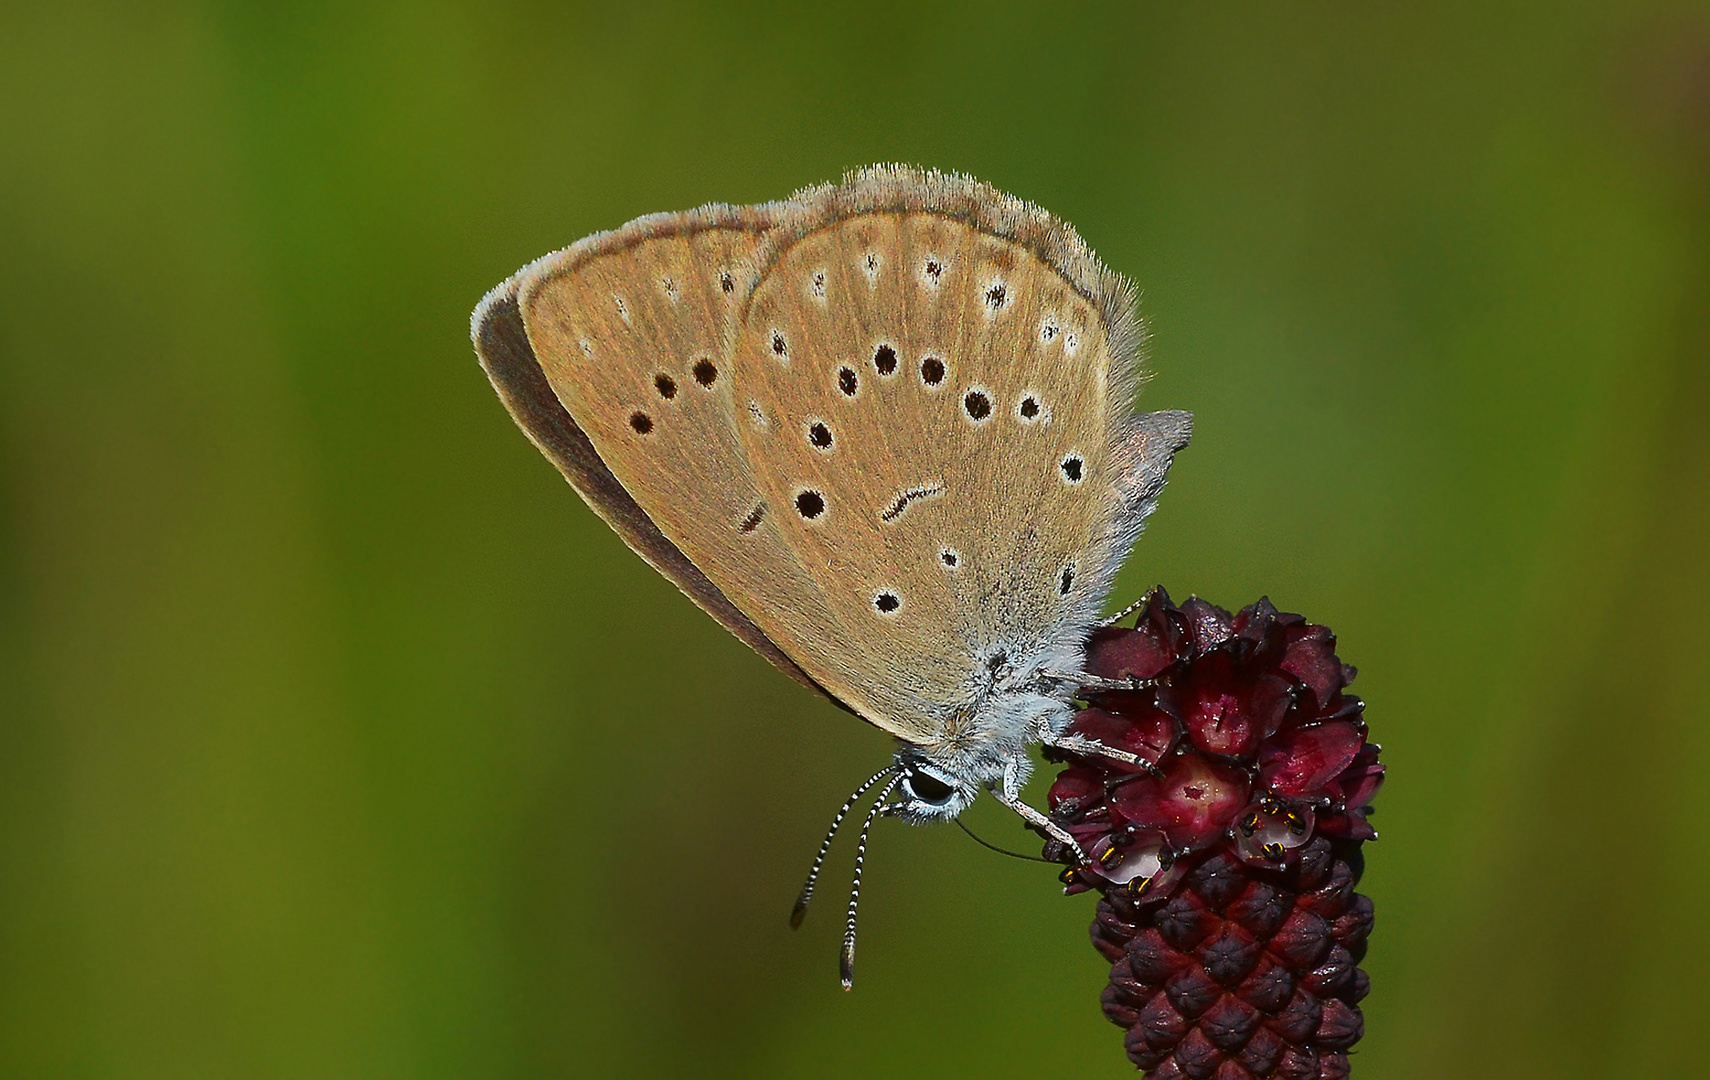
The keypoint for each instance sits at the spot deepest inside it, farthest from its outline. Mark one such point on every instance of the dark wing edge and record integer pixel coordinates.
(502, 345)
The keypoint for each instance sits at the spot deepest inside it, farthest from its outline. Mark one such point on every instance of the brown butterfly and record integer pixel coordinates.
(881, 430)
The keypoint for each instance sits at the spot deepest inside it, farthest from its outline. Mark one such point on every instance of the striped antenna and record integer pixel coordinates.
(799, 912)
(847, 959)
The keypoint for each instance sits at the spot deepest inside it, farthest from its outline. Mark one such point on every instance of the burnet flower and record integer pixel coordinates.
(1227, 853)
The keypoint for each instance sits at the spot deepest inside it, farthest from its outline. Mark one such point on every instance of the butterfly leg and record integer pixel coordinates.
(1088, 681)
(1132, 608)
(1080, 744)
(1008, 796)
(1041, 822)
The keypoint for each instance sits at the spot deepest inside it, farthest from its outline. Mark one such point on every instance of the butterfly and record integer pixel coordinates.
(881, 430)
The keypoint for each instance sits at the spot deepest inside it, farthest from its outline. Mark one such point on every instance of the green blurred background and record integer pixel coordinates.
(338, 739)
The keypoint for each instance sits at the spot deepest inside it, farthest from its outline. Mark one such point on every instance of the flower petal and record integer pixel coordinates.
(1148, 735)
(1117, 653)
(1209, 624)
(1311, 658)
(1194, 802)
(1075, 782)
(1302, 761)
(1361, 779)
(1228, 715)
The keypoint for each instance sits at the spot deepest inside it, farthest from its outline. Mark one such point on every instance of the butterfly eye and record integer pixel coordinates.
(928, 789)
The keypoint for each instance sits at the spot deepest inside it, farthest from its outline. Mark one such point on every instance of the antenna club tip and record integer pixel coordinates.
(846, 968)
(797, 914)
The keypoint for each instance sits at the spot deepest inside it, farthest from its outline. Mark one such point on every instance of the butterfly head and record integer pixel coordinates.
(929, 791)
(939, 781)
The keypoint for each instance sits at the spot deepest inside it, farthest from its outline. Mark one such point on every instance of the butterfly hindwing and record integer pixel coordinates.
(944, 395)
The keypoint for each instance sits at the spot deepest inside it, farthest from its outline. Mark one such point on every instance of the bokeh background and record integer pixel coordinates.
(338, 739)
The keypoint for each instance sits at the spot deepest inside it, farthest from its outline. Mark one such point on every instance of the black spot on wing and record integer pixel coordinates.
(913, 494)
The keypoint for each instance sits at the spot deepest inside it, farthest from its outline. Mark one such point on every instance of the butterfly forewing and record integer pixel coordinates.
(630, 335)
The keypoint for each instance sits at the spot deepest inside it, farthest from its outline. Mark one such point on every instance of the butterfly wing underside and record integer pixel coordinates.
(575, 369)
(880, 431)
(938, 378)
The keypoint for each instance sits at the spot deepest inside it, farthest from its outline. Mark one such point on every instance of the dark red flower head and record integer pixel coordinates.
(1227, 856)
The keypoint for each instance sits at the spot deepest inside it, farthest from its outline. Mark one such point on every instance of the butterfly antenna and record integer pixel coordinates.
(994, 847)
(799, 912)
(846, 961)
